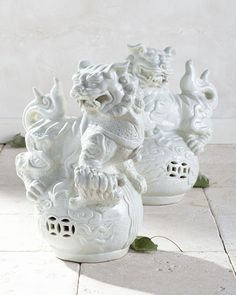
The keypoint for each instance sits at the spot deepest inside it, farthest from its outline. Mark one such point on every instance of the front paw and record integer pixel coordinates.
(196, 145)
(35, 190)
(97, 186)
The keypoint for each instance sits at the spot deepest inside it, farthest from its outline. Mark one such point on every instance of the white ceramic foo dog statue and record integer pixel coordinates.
(177, 126)
(80, 172)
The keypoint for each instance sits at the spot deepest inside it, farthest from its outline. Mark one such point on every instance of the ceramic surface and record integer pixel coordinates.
(86, 175)
(80, 171)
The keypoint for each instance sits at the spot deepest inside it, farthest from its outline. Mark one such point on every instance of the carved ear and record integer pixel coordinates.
(170, 51)
(83, 64)
(121, 68)
(135, 49)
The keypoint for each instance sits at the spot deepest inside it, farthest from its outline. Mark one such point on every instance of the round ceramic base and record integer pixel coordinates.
(99, 257)
(162, 200)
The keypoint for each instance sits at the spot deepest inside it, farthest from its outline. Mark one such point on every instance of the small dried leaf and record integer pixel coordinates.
(18, 141)
(143, 244)
(202, 181)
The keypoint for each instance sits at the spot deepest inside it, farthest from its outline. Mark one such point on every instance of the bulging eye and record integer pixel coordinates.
(78, 89)
(81, 88)
(126, 99)
(141, 50)
(123, 80)
(84, 77)
(129, 88)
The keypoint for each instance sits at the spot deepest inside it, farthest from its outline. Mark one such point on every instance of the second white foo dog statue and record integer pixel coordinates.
(177, 126)
(80, 172)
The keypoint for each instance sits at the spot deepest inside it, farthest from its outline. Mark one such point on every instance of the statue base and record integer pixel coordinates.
(91, 258)
(162, 200)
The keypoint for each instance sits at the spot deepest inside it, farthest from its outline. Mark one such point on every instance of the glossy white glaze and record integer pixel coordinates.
(177, 126)
(80, 171)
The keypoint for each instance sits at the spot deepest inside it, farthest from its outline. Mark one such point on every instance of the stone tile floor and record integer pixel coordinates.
(203, 225)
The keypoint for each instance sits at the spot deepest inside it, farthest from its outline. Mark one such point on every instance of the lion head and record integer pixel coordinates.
(151, 66)
(108, 89)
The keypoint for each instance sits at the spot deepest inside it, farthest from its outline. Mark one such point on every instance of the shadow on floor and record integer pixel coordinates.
(162, 273)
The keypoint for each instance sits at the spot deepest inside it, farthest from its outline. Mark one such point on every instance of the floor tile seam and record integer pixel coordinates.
(220, 233)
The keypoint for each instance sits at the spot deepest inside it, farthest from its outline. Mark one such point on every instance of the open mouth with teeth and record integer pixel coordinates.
(95, 101)
(153, 76)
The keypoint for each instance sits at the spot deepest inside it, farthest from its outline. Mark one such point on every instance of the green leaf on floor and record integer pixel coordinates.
(143, 244)
(18, 141)
(202, 181)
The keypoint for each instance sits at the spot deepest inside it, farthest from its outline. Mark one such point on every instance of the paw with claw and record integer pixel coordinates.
(197, 143)
(98, 187)
(35, 190)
